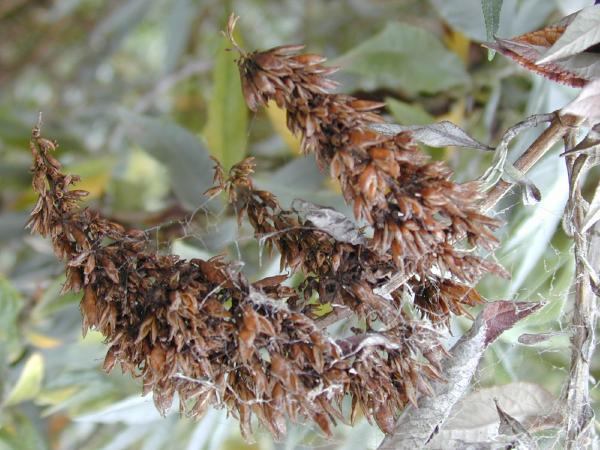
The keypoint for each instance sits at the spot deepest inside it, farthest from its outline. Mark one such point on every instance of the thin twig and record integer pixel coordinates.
(554, 133)
(494, 173)
(417, 426)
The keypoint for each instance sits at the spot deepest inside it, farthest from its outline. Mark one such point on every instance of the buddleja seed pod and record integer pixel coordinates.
(343, 273)
(198, 328)
(416, 211)
(417, 214)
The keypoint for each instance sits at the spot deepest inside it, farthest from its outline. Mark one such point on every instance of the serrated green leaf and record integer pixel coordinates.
(30, 381)
(225, 131)
(402, 56)
(491, 15)
(187, 160)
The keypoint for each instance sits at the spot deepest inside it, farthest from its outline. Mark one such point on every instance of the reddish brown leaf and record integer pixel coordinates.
(502, 315)
(323, 421)
(110, 269)
(529, 48)
(110, 359)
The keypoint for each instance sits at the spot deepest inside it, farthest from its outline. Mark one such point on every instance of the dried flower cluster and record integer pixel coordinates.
(199, 329)
(416, 212)
(342, 270)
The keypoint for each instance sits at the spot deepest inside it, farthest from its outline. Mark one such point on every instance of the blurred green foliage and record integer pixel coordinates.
(139, 94)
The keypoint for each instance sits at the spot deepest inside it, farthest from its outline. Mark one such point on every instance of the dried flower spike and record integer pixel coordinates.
(199, 329)
(417, 213)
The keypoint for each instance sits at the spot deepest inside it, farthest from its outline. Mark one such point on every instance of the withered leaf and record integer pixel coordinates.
(587, 103)
(502, 315)
(581, 33)
(533, 339)
(511, 426)
(157, 358)
(441, 134)
(529, 50)
(89, 308)
(331, 221)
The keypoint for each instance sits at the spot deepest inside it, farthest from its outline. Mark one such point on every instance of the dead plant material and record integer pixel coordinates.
(200, 329)
(417, 214)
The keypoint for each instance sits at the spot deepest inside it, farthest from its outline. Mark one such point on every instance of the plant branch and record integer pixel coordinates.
(579, 424)
(417, 426)
(559, 126)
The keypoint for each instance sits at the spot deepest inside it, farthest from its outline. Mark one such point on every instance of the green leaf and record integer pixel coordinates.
(22, 434)
(30, 381)
(141, 183)
(516, 17)
(402, 56)
(52, 301)
(187, 160)
(95, 174)
(178, 31)
(89, 398)
(10, 307)
(409, 114)
(491, 15)
(130, 410)
(10, 345)
(225, 131)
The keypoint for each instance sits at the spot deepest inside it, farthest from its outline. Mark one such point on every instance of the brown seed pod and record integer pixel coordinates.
(199, 329)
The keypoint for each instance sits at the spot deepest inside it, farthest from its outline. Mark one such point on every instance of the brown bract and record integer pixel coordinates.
(200, 329)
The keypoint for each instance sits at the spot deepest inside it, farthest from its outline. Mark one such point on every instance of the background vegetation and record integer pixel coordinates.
(139, 93)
